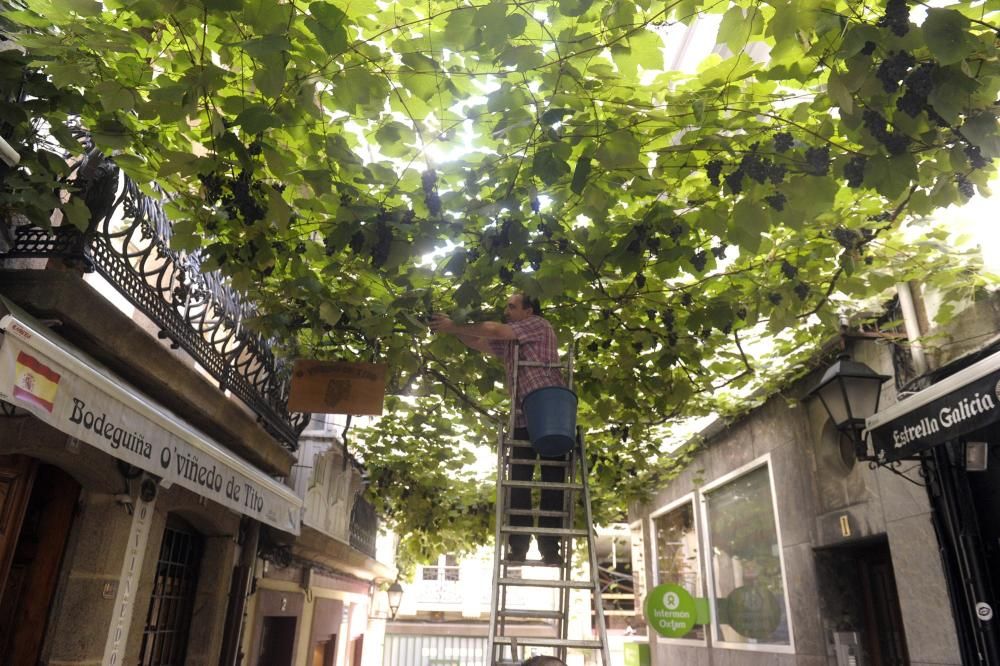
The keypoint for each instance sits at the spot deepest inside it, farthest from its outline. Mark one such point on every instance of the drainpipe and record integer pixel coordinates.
(912, 326)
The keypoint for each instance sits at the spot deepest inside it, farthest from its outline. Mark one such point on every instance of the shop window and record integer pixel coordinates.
(747, 578)
(168, 620)
(675, 544)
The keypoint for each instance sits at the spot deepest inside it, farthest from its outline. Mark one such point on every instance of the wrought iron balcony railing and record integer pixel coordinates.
(128, 243)
(364, 526)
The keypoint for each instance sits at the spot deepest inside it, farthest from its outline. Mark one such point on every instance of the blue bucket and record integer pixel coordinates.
(551, 416)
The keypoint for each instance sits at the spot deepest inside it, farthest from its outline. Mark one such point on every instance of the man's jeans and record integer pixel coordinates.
(520, 498)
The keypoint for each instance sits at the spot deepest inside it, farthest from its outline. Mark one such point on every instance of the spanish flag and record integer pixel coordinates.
(35, 382)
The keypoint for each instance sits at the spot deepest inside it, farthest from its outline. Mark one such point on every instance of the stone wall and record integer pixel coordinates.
(816, 490)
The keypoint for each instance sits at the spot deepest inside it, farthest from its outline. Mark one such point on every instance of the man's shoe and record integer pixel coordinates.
(552, 559)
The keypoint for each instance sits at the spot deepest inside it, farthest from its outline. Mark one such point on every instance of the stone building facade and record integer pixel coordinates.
(804, 554)
(153, 489)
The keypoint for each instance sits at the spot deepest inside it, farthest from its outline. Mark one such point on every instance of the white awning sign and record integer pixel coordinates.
(43, 374)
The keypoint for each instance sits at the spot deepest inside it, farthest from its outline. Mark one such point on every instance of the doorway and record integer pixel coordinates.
(277, 641)
(858, 594)
(37, 508)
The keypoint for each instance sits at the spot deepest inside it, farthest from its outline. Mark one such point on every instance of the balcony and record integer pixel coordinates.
(128, 244)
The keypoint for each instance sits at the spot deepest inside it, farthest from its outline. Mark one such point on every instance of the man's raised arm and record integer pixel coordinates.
(479, 344)
(487, 330)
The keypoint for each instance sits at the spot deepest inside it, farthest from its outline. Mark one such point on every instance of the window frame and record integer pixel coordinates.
(703, 492)
(178, 622)
(654, 565)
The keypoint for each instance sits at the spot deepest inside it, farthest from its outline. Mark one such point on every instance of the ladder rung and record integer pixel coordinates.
(551, 531)
(539, 364)
(544, 462)
(537, 512)
(531, 614)
(536, 582)
(550, 642)
(528, 563)
(541, 484)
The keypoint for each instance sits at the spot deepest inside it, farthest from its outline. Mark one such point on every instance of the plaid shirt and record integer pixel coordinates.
(537, 344)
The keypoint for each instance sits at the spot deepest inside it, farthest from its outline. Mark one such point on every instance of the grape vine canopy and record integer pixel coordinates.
(318, 153)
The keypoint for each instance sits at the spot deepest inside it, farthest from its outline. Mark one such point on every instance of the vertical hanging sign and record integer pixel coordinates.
(121, 617)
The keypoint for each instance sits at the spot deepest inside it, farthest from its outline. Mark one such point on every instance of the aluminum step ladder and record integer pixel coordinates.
(508, 643)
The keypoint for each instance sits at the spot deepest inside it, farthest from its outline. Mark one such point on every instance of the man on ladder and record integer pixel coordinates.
(527, 331)
(527, 345)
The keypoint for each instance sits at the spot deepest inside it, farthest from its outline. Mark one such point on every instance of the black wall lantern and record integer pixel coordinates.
(394, 597)
(850, 393)
(395, 594)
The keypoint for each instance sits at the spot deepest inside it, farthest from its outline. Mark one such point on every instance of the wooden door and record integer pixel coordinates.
(17, 474)
(34, 567)
(883, 620)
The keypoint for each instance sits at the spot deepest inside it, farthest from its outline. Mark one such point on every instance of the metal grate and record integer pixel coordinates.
(165, 638)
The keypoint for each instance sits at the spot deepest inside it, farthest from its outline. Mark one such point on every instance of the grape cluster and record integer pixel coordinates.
(535, 204)
(676, 231)
(854, 171)
(651, 315)
(893, 70)
(719, 251)
(698, 260)
(242, 197)
(382, 245)
(818, 160)
(847, 238)
(975, 156)
(777, 201)
(788, 270)
(755, 167)
(919, 84)
(741, 312)
(965, 186)
(783, 141)
(506, 275)
(895, 142)
(775, 298)
(713, 169)
(868, 48)
(776, 173)
(802, 290)
(687, 300)
(357, 242)
(428, 179)
(667, 316)
(734, 181)
(640, 280)
(896, 17)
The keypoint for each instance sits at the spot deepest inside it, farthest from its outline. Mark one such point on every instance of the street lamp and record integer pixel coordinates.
(394, 596)
(850, 393)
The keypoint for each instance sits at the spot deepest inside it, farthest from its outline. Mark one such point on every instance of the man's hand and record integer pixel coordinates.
(439, 323)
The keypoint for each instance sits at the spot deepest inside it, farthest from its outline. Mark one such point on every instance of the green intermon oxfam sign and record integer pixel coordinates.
(670, 610)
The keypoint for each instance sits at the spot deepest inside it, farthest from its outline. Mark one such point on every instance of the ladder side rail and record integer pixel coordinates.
(570, 499)
(594, 572)
(571, 356)
(512, 390)
(497, 546)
